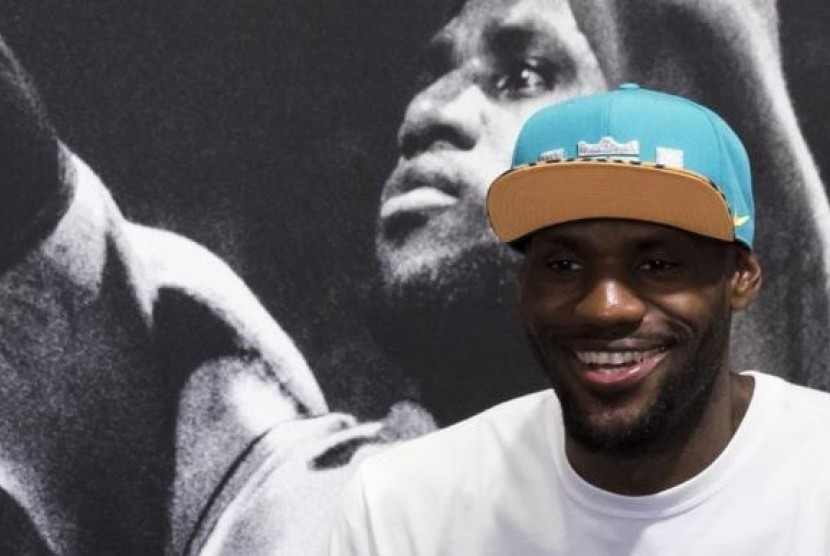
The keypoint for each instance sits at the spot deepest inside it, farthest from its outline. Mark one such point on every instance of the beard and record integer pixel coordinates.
(479, 275)
(675, 413)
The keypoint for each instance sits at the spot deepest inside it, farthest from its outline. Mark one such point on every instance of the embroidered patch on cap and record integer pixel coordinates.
(608, 147)
(669, 157)
(552, 156)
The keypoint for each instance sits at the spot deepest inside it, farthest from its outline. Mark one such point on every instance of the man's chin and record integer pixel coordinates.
(617, 430)
(628, 426)
(420, 275)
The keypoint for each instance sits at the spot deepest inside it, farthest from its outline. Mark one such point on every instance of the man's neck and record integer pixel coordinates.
(663, 467)
(462, 358)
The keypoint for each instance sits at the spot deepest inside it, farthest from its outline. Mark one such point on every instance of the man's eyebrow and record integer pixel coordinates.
(516, 41)
(649, 243)
(518, 37)
(565, 241)
(662, 242)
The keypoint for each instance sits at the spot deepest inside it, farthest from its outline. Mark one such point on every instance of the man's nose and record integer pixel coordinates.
(449, 113)
(610, 302)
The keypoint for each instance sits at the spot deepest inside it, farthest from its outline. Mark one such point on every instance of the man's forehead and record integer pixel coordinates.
(486, 17)
(605, 230)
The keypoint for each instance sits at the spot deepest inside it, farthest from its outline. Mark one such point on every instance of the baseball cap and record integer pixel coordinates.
(631, 153)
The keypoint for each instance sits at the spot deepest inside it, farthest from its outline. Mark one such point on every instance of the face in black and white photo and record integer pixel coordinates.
(488, 69)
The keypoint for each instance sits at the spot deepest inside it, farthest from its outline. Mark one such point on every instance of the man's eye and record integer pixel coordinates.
(522, 80)
(658, 265)
(564, 265)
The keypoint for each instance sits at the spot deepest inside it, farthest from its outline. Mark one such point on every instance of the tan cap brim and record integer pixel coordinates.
(530, 198)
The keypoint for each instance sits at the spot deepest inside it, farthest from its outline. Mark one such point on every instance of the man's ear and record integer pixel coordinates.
(746, 279)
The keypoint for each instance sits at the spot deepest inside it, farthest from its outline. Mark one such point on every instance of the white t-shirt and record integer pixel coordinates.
(500, 484)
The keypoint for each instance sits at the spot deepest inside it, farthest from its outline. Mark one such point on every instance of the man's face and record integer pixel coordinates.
(490, 68)
(631, 323)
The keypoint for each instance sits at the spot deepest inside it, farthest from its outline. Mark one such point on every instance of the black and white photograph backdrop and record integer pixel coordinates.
(243, 243)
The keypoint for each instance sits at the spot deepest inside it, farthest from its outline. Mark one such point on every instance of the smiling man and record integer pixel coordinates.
(444, 272)
(634, 213)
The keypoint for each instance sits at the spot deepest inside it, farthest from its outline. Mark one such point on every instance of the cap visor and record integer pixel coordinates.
(530, 198)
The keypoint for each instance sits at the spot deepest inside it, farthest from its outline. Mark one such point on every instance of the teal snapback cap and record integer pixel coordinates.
(630, 153)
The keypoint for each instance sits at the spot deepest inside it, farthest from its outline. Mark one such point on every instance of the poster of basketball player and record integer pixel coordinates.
(243, 244)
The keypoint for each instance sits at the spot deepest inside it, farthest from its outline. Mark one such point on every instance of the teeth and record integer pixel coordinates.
(615, 357)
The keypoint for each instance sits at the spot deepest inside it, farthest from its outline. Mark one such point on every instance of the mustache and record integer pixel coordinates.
(620, 337)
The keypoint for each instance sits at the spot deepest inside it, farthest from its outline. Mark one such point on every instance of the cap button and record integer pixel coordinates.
(629, 86)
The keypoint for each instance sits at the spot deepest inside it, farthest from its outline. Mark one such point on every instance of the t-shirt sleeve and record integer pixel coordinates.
(351, 532)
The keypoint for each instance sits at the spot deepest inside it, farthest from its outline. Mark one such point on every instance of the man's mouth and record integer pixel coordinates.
(611, 359)
(420, 199)
(424, 185)
(617, 370)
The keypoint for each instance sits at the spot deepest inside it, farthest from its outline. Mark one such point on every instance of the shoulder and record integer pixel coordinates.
(446, 456)
(441, 477)
(792, 452)
(796, 400)
(793, 418)
(199, 300)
